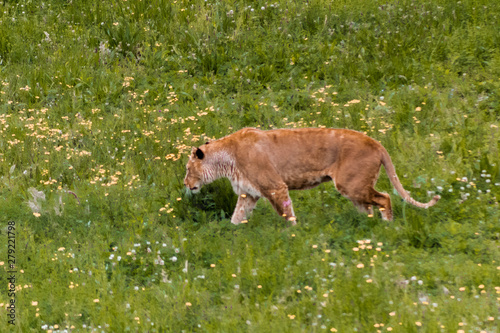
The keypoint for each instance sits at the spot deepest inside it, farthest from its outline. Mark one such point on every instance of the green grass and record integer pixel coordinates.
(100, 102)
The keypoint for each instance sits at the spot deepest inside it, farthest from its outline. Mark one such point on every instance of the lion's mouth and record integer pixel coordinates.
(194, 189)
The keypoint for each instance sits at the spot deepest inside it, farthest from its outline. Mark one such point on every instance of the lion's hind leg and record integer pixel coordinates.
(374, 198)
(363, 207)
(383, 201)
(367, 197)
(357, 185)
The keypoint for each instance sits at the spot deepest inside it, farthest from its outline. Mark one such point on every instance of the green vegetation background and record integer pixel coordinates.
(100, 101)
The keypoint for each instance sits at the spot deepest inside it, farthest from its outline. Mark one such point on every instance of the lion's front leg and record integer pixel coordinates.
(281, 202)
(243, 209)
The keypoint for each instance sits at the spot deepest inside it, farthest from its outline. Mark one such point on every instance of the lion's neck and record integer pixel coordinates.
(221, 165)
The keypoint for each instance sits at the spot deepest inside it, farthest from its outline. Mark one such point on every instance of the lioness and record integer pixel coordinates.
(270, 163)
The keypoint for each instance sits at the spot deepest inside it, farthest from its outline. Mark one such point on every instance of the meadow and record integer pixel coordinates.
(101, 102)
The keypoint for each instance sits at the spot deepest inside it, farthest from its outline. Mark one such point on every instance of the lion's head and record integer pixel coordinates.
(194, 170)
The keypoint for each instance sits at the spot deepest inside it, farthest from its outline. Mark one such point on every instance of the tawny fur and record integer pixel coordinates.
(270, 163)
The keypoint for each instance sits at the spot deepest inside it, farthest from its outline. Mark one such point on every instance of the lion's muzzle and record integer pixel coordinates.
(194, 187)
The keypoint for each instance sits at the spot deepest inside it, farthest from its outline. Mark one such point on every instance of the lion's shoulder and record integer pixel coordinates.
(248, 131)
(244, 135)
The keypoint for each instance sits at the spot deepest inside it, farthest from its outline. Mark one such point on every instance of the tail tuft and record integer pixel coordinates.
(433, 201)
(391, 173)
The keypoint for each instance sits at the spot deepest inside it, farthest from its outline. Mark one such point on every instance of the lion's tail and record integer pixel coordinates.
(391, 173)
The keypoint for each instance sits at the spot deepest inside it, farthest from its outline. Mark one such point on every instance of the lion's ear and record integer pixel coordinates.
(200, 154)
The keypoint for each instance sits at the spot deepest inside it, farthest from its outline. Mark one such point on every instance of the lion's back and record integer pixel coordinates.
(302, 158)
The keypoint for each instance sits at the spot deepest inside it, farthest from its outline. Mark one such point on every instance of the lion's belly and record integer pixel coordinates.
(307, 181)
